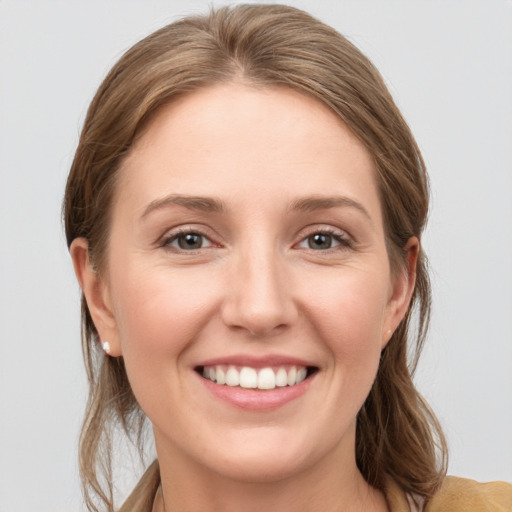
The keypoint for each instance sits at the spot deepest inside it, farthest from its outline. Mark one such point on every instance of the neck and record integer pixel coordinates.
(188, 487)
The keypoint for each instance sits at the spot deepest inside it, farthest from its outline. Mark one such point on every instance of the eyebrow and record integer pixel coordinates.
(310, 204)
(203, 204)
(212, 205)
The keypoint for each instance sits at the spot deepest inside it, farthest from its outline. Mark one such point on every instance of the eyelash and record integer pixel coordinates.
(182, 233)
(342, 240)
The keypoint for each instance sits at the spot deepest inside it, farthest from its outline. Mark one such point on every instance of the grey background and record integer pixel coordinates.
(449, 66)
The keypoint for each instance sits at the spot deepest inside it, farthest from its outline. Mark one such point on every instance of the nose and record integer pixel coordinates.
(259, 296)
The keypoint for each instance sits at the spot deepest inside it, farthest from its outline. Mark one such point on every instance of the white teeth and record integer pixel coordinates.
(301, 375)
(220, 376)
(250, 378)
(292, 376)
(281, 378)
(232, 377)
(266, 379)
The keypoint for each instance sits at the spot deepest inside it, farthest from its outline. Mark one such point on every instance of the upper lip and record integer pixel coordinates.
(256, 361)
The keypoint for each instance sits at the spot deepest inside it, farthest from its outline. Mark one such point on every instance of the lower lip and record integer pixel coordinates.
(254, 399)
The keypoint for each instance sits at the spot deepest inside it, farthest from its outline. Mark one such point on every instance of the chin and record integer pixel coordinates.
(260, 468)
(262, 457)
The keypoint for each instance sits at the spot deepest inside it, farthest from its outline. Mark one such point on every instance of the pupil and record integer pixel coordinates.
(190, 241)
(320, 241)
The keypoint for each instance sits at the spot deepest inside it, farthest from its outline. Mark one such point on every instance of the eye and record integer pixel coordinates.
(323, 241)
(188, 241)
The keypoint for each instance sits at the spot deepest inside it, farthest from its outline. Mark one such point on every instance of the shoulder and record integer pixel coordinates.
(464, 495)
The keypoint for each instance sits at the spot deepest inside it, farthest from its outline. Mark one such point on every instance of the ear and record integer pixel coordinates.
(402, 287)
(97, 295)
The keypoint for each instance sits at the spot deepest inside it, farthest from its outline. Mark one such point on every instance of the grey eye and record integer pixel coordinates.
(189, 241)
(320, 241)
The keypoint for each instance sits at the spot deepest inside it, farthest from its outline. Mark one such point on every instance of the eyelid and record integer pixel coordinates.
(343, 239)
(173, 234)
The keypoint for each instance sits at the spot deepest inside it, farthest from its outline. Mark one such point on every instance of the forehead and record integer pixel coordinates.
(222, 109)
(274, 139)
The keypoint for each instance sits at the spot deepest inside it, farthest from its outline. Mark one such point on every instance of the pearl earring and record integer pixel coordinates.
(106, 347)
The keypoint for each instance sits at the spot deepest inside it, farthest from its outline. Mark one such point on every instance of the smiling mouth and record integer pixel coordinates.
(256, 378)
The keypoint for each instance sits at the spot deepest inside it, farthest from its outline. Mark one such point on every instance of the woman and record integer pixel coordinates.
(244, 214)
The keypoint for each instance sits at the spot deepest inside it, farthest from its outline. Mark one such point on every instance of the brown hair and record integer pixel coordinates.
(398, 436)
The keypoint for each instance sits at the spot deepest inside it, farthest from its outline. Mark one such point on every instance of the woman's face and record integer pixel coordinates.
(247, 246)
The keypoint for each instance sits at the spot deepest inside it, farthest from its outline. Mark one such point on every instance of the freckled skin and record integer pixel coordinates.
(257, 285)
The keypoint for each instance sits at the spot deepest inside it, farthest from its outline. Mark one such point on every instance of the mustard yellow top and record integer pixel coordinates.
(455, 495)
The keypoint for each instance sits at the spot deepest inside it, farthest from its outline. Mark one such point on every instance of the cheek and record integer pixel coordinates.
(351, 307)
(158, 315)
(348, 314)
